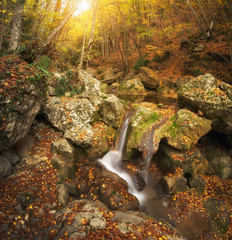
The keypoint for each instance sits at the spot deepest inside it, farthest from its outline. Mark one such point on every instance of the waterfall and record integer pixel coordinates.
(113, 162)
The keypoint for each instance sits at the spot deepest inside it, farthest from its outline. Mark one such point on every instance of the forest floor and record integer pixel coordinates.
(28, 201)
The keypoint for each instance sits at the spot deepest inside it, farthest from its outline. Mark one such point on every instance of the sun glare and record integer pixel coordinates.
(83, 6)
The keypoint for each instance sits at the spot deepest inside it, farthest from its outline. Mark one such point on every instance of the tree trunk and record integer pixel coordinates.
(16, 26)
(62, 23)
(198, 20)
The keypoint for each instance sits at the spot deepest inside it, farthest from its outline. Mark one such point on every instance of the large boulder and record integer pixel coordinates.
(212, 97)
(132, 86)
(190, 161)
(149, 78)
(22, 88)
(150, 124)
(220, 162)
(72, 117)
(92, 87)
(186, 129)
(111, 110)
(18, 116)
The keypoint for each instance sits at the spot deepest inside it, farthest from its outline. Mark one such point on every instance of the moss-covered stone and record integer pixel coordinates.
(186, 129)
(212, 97)
(133, 86)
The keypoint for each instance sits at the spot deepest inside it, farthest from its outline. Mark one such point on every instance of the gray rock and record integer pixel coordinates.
(64, 148)
(213, 98)
(97, 223)
(11, 155)
(62, 194)
(220, 162)
(128, 217)
(132, 86)
(174, 184)
(24, 146)
(5, 167)
(111, 111)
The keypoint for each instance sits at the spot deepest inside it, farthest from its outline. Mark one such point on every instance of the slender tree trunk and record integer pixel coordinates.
(62, 23)
(198, 20)
(16, 26)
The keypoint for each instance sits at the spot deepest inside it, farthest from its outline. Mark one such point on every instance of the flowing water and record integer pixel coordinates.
(151, 198)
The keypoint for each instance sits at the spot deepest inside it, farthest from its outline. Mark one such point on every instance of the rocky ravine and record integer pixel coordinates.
(30, 195)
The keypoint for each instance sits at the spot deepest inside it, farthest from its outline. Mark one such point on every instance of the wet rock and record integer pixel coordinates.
(132, 86)
(62, 194)
(115, 193)
(219, 214)
(186, 129)
(149, 78)
(144, 117)
(212, 97)
(5, 167)
(220, 162)
(190, 161)
(174, 184)
(64, 148)
(11, 155)
(111, 111)
(24, 146)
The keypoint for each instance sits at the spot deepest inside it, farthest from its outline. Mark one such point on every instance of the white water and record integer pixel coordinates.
(113, 162)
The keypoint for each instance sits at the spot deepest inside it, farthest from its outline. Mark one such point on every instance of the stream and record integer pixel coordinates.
(151, 197)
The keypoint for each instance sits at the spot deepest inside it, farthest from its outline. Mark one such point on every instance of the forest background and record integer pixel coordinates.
(123, 34)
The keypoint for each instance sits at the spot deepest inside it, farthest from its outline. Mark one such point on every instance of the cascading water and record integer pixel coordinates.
(113, 162)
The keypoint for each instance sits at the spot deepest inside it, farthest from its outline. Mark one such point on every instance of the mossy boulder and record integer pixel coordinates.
(186, 129)
(190, 161)
(150, 124)
(132, 86)
(212, 97)
(143, 119)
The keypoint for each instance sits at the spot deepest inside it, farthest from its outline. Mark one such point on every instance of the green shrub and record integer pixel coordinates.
(141, 62)
(45, 62)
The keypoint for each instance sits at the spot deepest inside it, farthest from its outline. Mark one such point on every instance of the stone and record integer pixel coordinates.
(62, 194)
(219, 213)
(11, 155)
(111, 110)
(174, 184)
(64, 148)
(97, 223)
(19, 121)
(197, 182)
(220, 162)
(190, 161)
(212, 97)
(149, 78)
(5, 167)
(24, 146)
(186, 129)
(132, 86)
(198, 48)
(92, 87)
